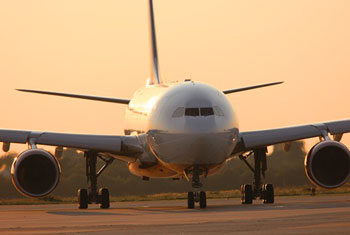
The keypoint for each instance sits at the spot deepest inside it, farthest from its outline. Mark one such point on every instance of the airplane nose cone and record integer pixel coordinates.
(197, 125)
(192, 148)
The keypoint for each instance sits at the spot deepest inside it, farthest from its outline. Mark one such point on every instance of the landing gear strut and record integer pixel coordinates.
(94, 195)
(263, 191)
(193, 197)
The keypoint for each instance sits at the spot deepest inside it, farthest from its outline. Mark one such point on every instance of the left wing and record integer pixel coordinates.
(119, 145)
(257, 139)
(250, 87)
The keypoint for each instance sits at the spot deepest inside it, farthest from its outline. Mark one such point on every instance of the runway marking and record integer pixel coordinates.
(172, 216)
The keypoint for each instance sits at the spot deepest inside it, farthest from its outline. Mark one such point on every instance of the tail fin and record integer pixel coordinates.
(155, 77)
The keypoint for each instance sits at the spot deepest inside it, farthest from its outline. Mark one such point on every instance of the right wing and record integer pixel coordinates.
(127, 146)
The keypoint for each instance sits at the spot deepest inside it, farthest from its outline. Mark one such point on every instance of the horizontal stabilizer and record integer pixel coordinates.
(250, 87)
(86, 97)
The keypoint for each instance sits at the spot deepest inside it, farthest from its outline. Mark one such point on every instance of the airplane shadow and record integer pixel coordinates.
(83, 213)
(131, 211)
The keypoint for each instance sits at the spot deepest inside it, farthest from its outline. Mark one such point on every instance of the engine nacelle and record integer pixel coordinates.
(35, 173)
(328, 164)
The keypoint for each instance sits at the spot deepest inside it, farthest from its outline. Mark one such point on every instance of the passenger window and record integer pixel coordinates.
(192, 112)
(218, 111)
(207, 111)
(179, 112)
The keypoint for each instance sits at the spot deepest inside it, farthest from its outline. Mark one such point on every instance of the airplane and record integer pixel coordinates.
(175, 130)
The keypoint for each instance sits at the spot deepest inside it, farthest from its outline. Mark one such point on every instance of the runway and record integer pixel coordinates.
(289, 215)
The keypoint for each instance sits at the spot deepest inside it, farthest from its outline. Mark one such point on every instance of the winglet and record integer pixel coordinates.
(155, 77)
(250, 87)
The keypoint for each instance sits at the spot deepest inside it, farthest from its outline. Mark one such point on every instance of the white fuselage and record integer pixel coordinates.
(187, 124)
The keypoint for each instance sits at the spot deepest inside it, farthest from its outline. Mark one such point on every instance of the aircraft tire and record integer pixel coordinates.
(83, 198)
(190, 200)
(246, 194)
(202, 200)
(103, 194)
(269, 196)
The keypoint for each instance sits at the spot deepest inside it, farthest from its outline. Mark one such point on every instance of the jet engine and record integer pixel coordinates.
(328, 164)
(35, 173)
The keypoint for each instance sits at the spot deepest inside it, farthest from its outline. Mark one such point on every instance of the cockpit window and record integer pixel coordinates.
(218, 111)
(179, 112)
(207, 111)
(192, 112)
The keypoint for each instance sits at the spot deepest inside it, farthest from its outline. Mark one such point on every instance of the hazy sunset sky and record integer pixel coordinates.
(102, 48)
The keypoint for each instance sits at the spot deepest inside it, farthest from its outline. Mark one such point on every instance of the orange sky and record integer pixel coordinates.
(101, 48)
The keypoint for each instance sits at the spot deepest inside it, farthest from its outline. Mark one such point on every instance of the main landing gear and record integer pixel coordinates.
(197, 196)
(92, 195)
(258, 190)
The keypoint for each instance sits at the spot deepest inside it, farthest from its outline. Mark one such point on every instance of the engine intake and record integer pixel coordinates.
(328, 164)
(35, 173)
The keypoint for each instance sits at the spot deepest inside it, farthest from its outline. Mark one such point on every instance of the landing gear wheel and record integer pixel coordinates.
(202, 199)
(83, 198)
(103, 194)
(246, 194)
(269, 196)
(190, 200)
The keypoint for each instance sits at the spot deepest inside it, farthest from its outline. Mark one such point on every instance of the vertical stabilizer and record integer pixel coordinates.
(155, 77)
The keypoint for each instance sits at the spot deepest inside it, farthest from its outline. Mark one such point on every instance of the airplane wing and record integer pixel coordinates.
(262, 138)
(118, 145)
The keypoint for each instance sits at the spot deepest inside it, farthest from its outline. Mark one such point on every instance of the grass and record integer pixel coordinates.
(294, 191)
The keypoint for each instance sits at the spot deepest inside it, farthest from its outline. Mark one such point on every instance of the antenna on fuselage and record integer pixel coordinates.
(155, 77)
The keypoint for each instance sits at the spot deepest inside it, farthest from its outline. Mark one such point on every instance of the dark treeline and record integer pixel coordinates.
(284, 169)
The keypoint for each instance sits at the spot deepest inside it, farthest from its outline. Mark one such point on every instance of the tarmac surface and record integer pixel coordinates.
(289, 215)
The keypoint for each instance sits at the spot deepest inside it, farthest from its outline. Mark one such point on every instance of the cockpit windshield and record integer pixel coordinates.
(207, 111)
(218, 111)
(194, 112)
(179, 112)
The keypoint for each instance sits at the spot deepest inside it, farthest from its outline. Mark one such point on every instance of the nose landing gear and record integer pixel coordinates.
(197, 196)
(193, 197)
